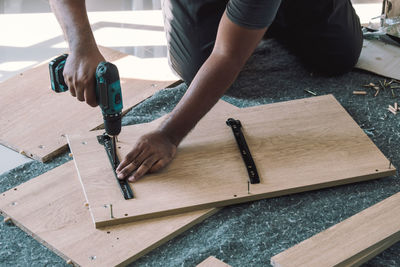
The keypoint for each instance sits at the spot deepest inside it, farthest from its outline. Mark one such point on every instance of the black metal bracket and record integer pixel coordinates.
(105, 140)
(236, 126)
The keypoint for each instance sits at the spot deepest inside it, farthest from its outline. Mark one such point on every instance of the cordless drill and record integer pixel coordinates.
(108, 93)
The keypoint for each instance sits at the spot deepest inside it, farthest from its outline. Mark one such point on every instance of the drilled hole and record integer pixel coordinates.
(62, 135)
(15, 189)
(41, 146)
(92, 258)
(84, 143)
(117, 238)
(377, 170)
(126, 214)
(108, 232)
(235, 195)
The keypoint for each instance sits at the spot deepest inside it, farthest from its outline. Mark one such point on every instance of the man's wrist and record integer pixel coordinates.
(171, 132)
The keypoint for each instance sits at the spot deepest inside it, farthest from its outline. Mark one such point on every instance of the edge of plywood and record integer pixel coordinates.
(247, 198)
(360, 254)
(170, 236)
(128, 260)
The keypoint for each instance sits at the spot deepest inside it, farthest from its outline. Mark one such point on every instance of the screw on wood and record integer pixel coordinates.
(359, 92)
(310, 92)
(111, 211)
(7, 220)
(69, 262)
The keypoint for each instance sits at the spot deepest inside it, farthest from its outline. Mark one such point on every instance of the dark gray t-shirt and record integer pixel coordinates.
(253, 14)
(191, 27)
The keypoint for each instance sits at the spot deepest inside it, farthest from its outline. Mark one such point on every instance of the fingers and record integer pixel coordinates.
(159, 165)
(132, 161)
(129, 159)
(90, 95)
(152, 152)
(143, 169)
(81, 88)
(79, 76)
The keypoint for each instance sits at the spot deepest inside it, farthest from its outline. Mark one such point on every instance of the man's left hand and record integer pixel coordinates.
(151, 153)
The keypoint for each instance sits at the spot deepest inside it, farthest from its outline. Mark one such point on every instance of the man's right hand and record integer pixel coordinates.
(79, 75)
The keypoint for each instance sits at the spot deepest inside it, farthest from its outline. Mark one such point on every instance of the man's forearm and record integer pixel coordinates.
(211, 82)
(72, 16)
(233, 46)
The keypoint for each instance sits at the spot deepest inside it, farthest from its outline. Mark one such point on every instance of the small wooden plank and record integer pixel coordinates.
(297, 146)
(380, 58)
(34, 119)
(51, 208)
(212, 262)
(351, 242)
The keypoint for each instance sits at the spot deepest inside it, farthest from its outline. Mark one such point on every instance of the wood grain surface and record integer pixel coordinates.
(35, 120)
(297, 146)
(51, 208)
(212, 262)
(380, 58)
(351, 242)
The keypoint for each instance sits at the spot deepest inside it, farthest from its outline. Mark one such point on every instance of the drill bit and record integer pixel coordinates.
(114, 150)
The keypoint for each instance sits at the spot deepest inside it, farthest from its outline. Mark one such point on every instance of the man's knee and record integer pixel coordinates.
(336, 57)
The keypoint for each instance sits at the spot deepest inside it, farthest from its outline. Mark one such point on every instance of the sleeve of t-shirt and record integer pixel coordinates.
(253, 14)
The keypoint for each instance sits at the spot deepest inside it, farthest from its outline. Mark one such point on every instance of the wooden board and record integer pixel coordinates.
(212, 262)
(380, 58)
(351, 242)
(51, 208)
(35, 120)
(297, 146)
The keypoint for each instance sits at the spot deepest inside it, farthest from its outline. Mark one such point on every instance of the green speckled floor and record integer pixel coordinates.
(250, 234)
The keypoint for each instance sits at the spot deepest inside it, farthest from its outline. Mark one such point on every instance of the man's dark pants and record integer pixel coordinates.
(326, 34)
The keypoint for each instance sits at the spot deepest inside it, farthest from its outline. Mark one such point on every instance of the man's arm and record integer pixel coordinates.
(233, 46)
(84, 56)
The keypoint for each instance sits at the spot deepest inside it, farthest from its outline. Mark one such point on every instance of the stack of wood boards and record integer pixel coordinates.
(51, 208)
(37, 123)
(293, 144)
(351, 242)
(297, 146)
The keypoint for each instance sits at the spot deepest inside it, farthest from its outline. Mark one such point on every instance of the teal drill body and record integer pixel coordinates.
(108, 91)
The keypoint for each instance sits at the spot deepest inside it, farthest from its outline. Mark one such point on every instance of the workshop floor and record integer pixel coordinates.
(242, 235)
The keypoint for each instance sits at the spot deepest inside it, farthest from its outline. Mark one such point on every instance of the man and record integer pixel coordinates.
(209, 42)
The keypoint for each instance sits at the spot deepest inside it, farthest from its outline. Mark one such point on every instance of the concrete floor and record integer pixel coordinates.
(247, 234)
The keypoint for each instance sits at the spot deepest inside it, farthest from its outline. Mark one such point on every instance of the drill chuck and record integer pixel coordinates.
(112, 123)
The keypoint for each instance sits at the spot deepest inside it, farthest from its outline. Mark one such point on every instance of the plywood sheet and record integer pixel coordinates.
(380, 58)
(351, 242)
(35, 120)
(297, 146)
(51, 208)
(212, 262)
